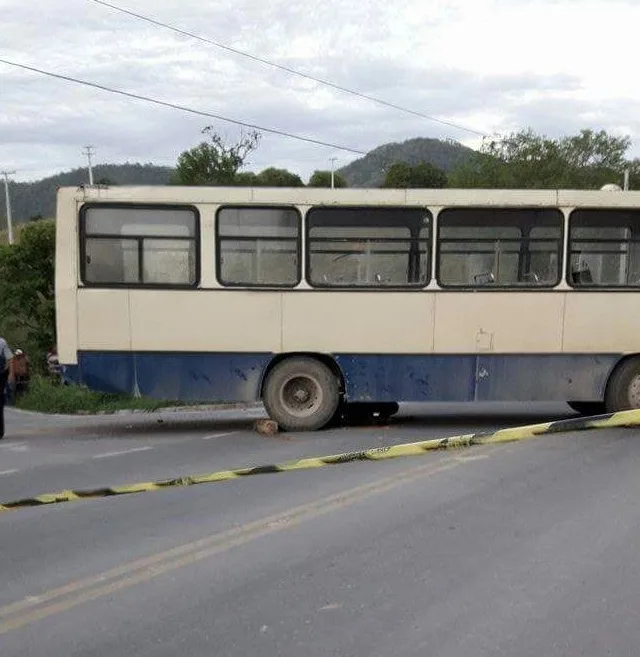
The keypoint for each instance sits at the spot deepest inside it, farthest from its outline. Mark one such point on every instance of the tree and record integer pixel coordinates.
(245, 179)
(424, 175)
(273, 177)
(525, 160)
(27, 286)
(214, 162)
(323, 179)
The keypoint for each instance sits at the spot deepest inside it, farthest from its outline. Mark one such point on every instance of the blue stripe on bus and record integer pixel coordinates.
(237, 377)
(482, 377)
(224, 377)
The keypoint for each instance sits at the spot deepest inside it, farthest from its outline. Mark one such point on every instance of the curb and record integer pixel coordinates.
(513, 434)
(142, 411)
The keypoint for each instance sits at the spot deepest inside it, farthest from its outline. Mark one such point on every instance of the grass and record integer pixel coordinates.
(46, 396)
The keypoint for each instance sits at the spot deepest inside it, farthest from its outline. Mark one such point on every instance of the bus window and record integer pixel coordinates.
(499, 247)
(604, 248)
(139, 245)
(368, 247)
(258, 246)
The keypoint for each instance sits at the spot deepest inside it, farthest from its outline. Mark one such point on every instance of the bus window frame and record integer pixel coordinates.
(594, 287)
(218, 252)
(115, 205)
(523, 287)
(419, 286)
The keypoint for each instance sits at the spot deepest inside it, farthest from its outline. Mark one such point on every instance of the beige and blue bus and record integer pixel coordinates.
(311, 300)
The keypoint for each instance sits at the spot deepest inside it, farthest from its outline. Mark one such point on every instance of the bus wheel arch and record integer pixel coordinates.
(302, 391)
(588, 408)
(622, 392)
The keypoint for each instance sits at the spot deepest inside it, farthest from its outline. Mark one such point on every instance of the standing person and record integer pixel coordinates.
(6, 376)
(21, 367)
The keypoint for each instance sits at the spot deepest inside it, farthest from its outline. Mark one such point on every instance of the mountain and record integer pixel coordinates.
(29, 199)
(369, 171)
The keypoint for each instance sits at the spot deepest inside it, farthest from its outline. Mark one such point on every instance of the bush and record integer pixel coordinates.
(47, 396)
(27, 291)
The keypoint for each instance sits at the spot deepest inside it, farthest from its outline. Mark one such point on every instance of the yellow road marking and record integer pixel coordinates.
(63, 598)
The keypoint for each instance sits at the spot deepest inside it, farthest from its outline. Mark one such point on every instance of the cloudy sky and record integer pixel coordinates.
(492, 66)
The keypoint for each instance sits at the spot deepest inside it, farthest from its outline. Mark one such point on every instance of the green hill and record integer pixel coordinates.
(30, 199)
(369, 171)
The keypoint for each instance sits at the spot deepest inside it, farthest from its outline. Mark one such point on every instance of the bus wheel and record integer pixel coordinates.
(588, 408)
(301, 394)
(623, 389)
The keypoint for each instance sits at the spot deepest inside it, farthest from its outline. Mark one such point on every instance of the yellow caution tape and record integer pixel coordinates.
(621, 419)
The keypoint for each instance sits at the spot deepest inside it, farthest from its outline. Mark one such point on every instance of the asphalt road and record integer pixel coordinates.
(520, 549)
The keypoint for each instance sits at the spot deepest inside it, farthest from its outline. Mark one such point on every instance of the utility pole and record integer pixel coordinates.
(7, 198)
(89, 152)
(333, 162)
(626, 180)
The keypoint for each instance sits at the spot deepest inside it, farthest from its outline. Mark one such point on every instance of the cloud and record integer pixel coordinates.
(561, 116)
(493, 65)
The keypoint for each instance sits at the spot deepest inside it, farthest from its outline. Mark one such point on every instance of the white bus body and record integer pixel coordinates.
(240, 294)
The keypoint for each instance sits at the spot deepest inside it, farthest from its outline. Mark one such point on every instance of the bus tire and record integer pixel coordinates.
(588, 408)
(623, 389)
(301, 394)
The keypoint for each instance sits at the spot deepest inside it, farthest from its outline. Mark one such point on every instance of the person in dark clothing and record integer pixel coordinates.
(6, 377)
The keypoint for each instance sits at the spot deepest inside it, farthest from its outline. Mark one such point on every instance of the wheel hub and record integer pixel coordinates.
(301, 395)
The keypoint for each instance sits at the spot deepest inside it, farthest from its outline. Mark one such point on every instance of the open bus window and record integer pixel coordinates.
(604, 248)
(368, 247)
(126, 244)
(258, 246)
(499, 247)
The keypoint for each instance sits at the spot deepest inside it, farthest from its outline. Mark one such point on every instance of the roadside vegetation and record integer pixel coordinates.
(47, 396)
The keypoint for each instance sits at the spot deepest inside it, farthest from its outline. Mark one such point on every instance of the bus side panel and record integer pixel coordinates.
(408, 377)
(552, 377)
(499, 322)
(66, 276)
(210, 377)
(481, 377)
(593, 319)
(358, 321)
(103, 320)
(106, 372)
(206, 321)
(222, 377)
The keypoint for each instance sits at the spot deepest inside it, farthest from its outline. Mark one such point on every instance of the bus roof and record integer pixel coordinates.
(349, 196)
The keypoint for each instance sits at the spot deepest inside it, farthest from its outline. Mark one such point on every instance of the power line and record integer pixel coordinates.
(182, 108)
(261, 60)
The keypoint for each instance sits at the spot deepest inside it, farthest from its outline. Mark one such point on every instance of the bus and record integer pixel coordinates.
(316, 300)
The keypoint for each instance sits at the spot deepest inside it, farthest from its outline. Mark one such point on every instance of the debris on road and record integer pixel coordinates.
(266, 427)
